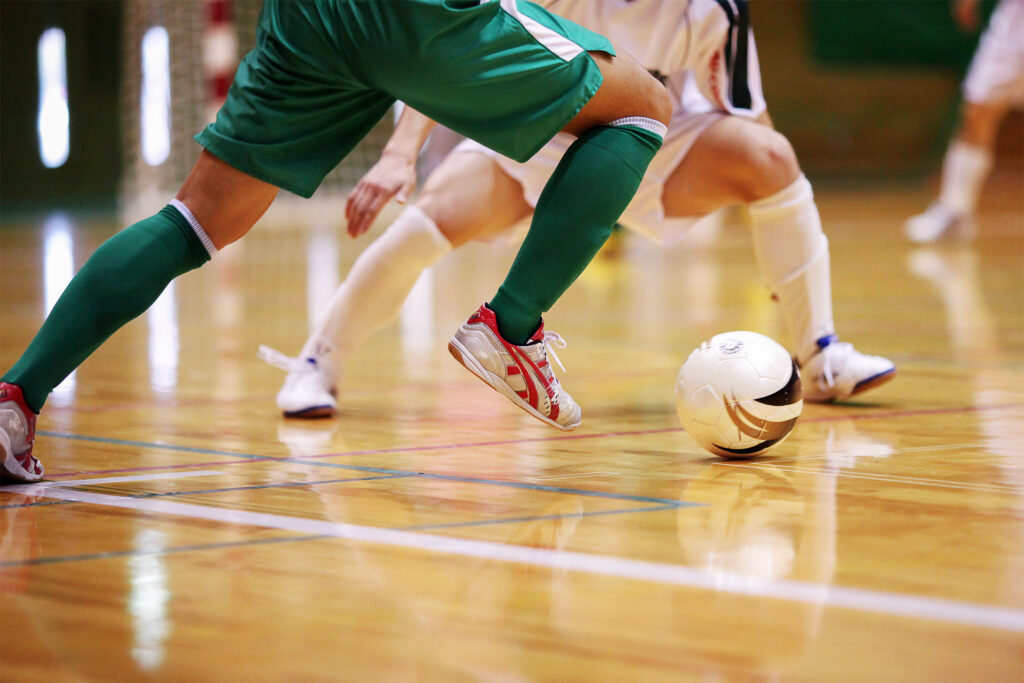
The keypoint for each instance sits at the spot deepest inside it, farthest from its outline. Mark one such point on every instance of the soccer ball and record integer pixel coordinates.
(739, 394)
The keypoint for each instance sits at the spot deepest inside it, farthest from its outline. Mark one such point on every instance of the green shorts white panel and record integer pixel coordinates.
(506, 73)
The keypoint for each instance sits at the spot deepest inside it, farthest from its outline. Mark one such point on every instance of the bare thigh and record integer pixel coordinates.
(225, 201)
(735, 161)
(470, 197)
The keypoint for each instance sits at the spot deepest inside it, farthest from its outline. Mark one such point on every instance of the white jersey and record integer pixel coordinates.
(704, 53)
(703, 50)
(996, 75)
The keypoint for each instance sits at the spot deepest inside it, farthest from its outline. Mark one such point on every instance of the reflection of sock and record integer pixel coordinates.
(589, 190)
(792, 254)
(963, 172)
(119, 282)
(379, 282)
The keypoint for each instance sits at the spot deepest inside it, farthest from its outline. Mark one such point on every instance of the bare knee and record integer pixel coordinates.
(627, 90)
(226, 201)
(657, 103)
(771, 165)
(980, 123)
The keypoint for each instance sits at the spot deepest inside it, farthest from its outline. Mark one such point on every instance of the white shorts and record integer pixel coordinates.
(645, 214)
(996, 75)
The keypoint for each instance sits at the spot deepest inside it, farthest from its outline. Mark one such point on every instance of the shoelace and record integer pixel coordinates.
(828, 373)
(279, 360)
(552, 339)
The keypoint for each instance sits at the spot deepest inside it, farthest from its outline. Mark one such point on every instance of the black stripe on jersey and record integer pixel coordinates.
(736, 51)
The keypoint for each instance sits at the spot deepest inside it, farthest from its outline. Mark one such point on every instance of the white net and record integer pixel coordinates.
(145, 186)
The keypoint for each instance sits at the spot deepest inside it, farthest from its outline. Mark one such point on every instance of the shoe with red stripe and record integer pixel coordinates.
(520, 373)
(17, 432)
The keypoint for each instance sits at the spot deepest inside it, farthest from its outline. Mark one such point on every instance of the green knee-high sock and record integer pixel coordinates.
(575, 214)
(120, 281)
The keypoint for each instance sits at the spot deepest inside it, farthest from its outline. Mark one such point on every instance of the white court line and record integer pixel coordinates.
(962, 613)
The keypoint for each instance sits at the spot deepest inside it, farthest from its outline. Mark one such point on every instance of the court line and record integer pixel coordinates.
(135, 552)
(380, 470)
(539, 518)
(299, 484)
(131, 478)
(309, 459)
(891, 478)
(895, 604)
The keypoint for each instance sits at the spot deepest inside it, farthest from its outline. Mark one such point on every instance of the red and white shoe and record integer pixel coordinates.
(17, 432)
(520, 373)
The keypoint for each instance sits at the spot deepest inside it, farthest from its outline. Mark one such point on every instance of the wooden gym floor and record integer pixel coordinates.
(434, 532)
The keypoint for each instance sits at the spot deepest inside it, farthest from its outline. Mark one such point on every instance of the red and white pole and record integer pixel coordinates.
(220, 54)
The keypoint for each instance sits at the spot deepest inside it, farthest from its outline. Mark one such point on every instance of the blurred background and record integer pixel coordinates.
(100, 98)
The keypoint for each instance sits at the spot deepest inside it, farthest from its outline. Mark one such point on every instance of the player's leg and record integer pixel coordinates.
(739, 161)
(125, 275)
(965, 167)
(620, 129)
(466, 197)
(994, 82)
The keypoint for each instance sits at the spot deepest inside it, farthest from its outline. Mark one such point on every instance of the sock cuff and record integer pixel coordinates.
(650, 125)
(788, 198)
(413, 222)
(196, 227)
(970, 154)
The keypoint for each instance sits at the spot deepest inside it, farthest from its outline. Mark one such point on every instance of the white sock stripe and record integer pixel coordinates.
(656, 127)
(196, 227)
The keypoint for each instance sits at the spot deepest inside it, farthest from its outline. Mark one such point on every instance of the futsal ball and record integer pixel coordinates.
(739, 394)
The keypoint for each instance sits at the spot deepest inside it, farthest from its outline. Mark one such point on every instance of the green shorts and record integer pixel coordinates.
(507, 74)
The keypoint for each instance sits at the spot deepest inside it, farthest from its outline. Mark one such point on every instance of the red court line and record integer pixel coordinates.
(509, 442)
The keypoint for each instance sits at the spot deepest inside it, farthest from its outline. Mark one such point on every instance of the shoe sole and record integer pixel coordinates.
(467, 361)
(8, 460)
(312, 413)
(872, 382)
(864, 385)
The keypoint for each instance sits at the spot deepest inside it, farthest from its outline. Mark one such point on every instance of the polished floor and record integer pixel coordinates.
(433, 532)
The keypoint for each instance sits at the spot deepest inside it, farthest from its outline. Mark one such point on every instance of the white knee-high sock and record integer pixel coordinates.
(379, 282)
(964, 170)
(792, 255)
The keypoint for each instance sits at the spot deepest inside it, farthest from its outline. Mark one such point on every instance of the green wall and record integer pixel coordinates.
(91, 174)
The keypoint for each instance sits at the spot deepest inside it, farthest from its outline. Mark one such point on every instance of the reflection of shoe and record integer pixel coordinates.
(838, 371)
(308, 437)
(938, 222)
(845, 445)
(309, 390)
(17, 432)
(520, 373)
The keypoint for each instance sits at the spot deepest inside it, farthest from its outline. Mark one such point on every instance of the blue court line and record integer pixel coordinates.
(508, 520)
(256, 487)
(377, 470)
(115, 554)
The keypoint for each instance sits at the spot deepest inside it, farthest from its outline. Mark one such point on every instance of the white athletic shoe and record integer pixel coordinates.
(838, 371)
(938, 222)
(309, 390)
(520, 373)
